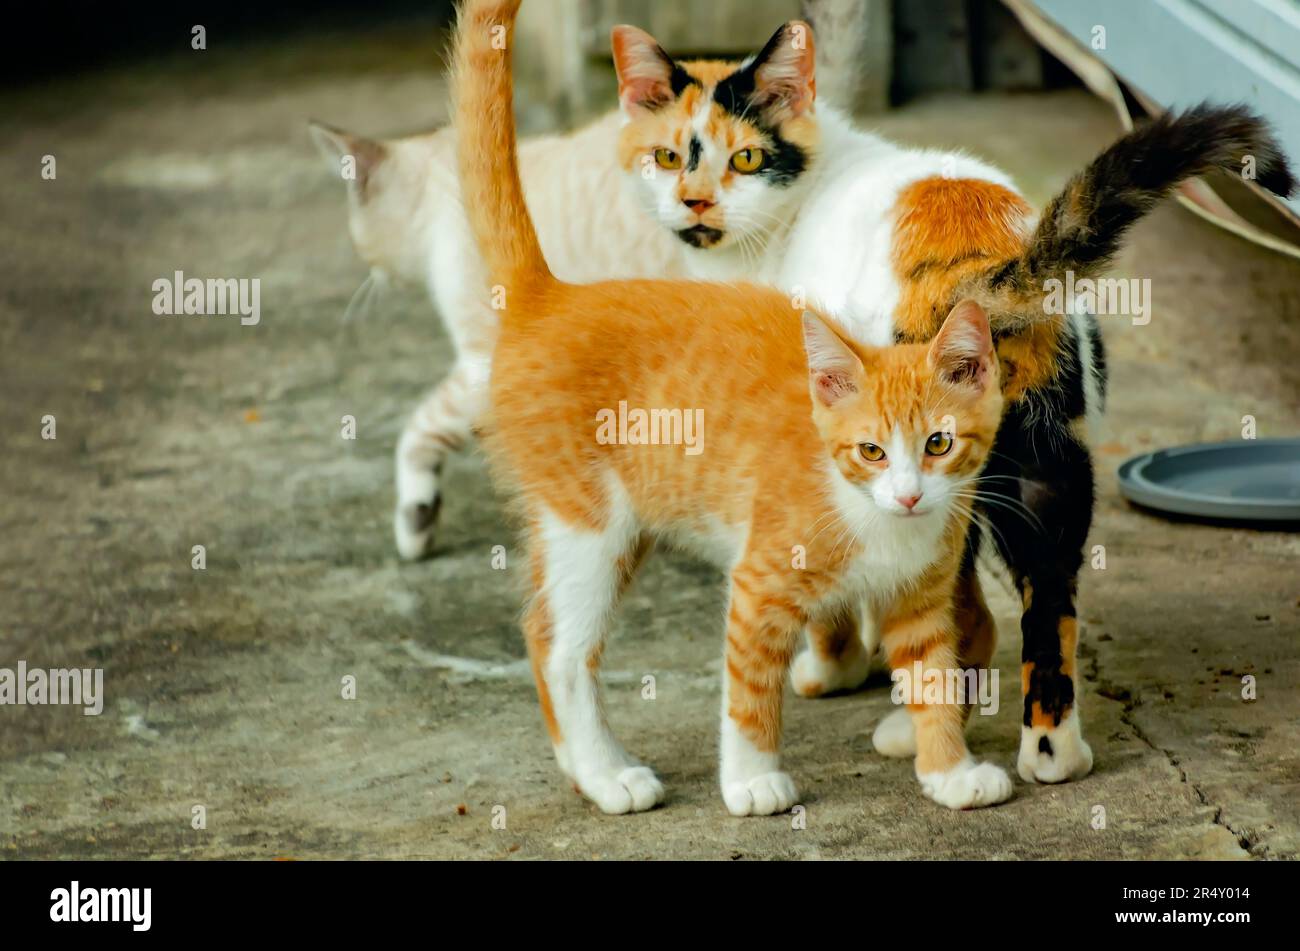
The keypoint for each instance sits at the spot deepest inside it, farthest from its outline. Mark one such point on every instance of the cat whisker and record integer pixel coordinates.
(364, 296)
(1007, 503)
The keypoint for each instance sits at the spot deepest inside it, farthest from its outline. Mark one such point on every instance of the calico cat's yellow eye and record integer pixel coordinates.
(748, 161)
(667, 158)
(870, 451)
(938, 444)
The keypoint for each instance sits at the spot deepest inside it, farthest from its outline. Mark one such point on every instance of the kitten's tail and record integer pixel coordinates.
(1082, 228)
(486, 147)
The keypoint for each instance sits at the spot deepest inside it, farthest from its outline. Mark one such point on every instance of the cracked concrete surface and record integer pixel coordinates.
(223, 685)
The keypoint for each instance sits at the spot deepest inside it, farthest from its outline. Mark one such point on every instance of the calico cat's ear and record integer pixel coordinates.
(833, 368)
(962, 351)
(354, 158)
(782, 75)
(647, 76)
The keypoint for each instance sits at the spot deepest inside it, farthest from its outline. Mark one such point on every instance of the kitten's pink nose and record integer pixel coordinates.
(698, 205)
(908, 501)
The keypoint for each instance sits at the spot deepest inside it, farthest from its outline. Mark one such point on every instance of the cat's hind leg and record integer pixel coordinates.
(578, 573)
(1041, 525)
(441, 425)
(836, 658)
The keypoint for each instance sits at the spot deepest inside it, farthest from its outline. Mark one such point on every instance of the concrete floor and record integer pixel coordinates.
(223, 685)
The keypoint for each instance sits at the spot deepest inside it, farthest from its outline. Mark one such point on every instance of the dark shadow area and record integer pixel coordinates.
(68, 39)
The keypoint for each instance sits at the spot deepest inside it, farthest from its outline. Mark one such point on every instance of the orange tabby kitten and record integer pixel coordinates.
(802, 442)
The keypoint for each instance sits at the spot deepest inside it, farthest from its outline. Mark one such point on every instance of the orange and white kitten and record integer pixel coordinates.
(825, 476)
(407, 223)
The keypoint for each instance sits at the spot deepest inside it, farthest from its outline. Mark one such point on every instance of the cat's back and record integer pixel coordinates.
(735, 351)
(842, 248)
(634, 326)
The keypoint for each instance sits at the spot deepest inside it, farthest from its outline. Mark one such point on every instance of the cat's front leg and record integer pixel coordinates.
(920, 641)
(762, 630)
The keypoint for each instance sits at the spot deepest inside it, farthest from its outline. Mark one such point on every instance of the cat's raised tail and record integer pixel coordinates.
(486, 148)
(1082, 228)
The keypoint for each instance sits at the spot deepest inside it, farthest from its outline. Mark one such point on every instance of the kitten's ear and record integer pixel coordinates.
(785, 82)
(833, 368)
(962, 352)
(353, 158)
(645, 71)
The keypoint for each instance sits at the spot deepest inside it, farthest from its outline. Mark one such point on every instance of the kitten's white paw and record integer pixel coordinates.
(968, 785)
(1054, 754)
(763, 795)
(815, 676)
(413, 527)
(895, 735)
(622, 790)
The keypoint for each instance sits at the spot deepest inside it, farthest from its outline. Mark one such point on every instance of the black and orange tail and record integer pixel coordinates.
(1084, 225)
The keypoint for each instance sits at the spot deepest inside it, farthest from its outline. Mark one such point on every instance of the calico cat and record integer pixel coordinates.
(887, 239)
(860, 454)
(406, 222)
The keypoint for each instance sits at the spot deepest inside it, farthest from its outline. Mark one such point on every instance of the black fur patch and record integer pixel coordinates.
(1045, 745)
(737, 94)
(1037, 463)
(734, 94)
(701, 236)
(696, 150)
(680, 79)
(785, 161)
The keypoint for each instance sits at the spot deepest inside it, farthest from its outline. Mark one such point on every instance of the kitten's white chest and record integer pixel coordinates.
(896, 551)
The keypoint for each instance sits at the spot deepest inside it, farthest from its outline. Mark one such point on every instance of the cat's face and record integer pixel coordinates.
(716, 150)
(909, 426)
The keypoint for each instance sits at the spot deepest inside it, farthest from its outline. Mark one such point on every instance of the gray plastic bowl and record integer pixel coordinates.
(1248, 480)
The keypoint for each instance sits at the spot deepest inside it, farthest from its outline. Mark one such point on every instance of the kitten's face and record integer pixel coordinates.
(716, 149)
(910, 426)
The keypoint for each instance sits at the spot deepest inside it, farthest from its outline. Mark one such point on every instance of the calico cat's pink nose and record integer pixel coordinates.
(698, 205)
(908, 501)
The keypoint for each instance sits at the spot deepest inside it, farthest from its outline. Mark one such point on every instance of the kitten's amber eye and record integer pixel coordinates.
(667, 158)
(748, 161)
(938, 444)
(870, 451)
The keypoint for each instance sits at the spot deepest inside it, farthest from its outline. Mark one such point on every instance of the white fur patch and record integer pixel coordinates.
(895, 735)
(1070, 758)
(752, 781)
(580, 571)
(968, 785)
